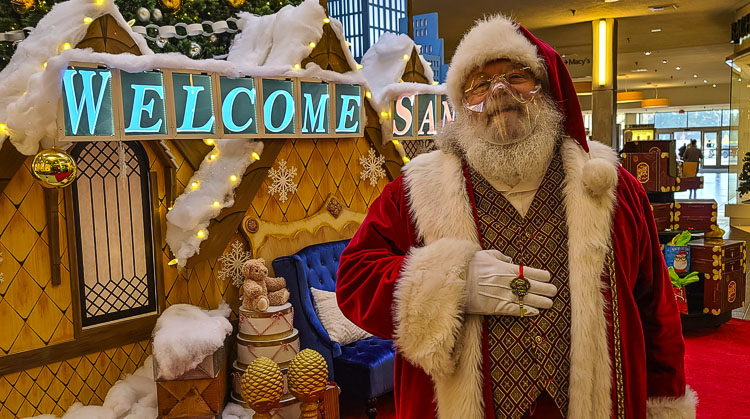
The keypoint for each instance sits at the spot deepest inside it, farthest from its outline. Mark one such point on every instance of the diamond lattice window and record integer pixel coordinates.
(116, 276)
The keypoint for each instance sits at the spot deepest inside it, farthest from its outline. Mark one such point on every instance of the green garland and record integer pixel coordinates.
(190, 11)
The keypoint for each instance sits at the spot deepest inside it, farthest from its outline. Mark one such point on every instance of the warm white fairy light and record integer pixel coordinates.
(326, 20)
(195, 185)
(66, 46)
(406, 57)
(217, 204)
(201, 234)
(233, 178)
(87, 20)
(311, 45)
(368, 94)
(209, 141)
(256, 156)
(212, 156)
(396, 143)
(297, 66)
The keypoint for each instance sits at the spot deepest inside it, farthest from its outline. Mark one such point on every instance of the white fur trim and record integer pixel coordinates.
(490, 38)
(673, 408)
(440, 208)
(438, 200)
(589, 236)
(429, 301)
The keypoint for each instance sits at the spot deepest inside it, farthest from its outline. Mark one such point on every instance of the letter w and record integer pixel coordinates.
(75, 105)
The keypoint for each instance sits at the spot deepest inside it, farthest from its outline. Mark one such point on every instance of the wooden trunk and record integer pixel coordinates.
(694, 215)
(722, 265)
(662, 216)
(652, 169)
(686, 183)
(199, 393)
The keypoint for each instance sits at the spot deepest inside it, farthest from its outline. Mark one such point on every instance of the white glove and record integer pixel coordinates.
(488, 286)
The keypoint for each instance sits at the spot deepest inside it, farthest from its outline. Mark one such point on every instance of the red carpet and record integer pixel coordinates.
(717, 364)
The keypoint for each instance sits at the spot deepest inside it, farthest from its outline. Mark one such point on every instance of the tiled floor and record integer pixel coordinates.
(717, 186)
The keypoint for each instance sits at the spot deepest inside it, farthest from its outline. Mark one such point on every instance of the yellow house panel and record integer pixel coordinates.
(45, 318)
(19, 186)
(23, 293)
(38, 263)
(27, 339)
(19, 237)
(33, 207)
(7, 210)
(60, 294)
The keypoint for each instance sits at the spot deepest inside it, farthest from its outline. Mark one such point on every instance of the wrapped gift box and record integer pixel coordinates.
(198, 393)
(722, 265)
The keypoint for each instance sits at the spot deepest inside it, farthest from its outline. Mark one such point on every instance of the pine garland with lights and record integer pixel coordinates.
(743, 179)
(189, 11)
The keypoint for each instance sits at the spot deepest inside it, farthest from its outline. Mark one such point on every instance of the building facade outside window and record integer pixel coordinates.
(364, 21)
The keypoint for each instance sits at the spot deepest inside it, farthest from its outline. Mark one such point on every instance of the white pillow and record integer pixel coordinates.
(339, 328)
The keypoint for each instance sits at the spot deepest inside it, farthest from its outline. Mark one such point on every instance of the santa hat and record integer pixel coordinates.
(498, 37)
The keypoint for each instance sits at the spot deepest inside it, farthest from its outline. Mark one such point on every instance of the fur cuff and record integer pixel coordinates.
(673, 408)
(428, 303)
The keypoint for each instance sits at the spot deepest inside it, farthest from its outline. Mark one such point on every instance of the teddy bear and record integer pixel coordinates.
(259, 291)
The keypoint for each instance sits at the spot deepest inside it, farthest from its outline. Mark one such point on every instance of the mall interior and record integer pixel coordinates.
(237, 209)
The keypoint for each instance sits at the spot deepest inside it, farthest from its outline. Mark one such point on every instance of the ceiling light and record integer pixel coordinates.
(662, 7)
(611, 1)
(655, 103)
(714, 85)
(695, 76)
(734, 66)
(629, 97)
(677, 68)
(640, 70)
(656, 30)
(705, 81)
(663, 61)
(647, 52)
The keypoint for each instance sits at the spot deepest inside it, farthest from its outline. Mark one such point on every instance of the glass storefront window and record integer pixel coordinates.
(704, 119)
(645, 118)
(670, 120)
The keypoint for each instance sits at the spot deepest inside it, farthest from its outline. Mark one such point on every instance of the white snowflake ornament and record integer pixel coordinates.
(282, 181)
(372, 167)
(231, 264)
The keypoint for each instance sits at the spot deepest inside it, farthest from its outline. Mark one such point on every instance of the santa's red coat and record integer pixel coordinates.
(401, 277)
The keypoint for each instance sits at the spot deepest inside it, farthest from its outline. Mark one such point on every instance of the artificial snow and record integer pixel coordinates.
(133, 397)
(185, 335)
(235, 411)
(383, 65)
(193, 210)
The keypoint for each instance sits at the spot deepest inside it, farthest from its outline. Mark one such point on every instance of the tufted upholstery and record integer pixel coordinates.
(363, 368)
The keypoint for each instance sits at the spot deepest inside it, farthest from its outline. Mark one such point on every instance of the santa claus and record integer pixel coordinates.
(518, 268)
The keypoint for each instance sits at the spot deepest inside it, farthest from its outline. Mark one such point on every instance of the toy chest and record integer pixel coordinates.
(694, 215)
(662, 215)
(722, 267)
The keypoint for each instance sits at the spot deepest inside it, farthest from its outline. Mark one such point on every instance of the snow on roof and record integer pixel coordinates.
(384, 64)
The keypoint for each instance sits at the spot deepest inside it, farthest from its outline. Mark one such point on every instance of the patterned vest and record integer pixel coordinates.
(531, 355)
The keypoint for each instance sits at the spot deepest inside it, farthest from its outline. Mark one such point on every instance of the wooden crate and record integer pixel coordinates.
(723, 267)
(199, 393)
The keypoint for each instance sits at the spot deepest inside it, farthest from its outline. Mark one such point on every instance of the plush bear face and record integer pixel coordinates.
(255, 269)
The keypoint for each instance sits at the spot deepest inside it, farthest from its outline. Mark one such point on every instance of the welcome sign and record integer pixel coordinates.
(99, 103)
(419, 115)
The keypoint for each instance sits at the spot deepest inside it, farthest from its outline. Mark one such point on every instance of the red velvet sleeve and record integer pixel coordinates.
(662, 330)
(371, 264)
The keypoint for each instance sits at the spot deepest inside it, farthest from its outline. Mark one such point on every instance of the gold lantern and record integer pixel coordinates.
(54, 168)
(308, 379)
(262, 385)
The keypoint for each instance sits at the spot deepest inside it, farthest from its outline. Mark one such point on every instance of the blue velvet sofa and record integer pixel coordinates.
(364, 369)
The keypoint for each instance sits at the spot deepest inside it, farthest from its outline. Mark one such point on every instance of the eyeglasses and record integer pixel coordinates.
(518, 80)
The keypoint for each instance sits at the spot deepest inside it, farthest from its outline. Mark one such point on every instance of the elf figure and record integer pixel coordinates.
(518, 267)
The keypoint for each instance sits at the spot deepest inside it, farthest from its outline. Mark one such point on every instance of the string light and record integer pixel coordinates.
(359, 66)
(195, 185)
(4, 129)
(201, 234)
(87, 20)
(66, 46)
(396, 143)
(297, 66)
(131, 22)
(209, 141)
(172, 262)
(169, 208)
(384, 114)
(435, 83)
(256, 156)
(326, 20)
(406, 159)
(100, 2)
(406, 57)
(212, 156)
(368, 94)
(311, 44)
(233, 178)
(44, 65)
(216, 204)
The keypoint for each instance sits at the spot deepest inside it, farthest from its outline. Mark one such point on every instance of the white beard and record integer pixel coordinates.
(507, 153)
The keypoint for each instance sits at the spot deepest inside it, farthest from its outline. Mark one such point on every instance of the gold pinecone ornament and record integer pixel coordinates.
(262, 385)
(308, 378)
(22, 6)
